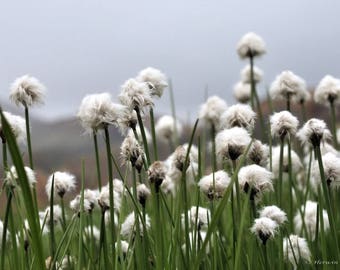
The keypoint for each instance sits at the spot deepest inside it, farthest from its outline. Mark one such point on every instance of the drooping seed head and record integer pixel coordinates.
(255, 180)
(246, 74)
(167, 128)
(328, 91)
(27, 90)
(231, 143)
(96, 111)
(264, 228)
(143, 193)
(258, 153)
(135, 95)
(242, 92)
(275, 213)
(287, 85)
(239, 115)
(313, 132)
(64, 182)
(214, 185)
(156, 173)
(283, 123)
(309, 219)
(211, 111)
(17, 125)
(251, 45)
(296, 248)
(155, 79)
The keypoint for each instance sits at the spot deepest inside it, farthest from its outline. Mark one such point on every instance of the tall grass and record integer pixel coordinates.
(171, 239)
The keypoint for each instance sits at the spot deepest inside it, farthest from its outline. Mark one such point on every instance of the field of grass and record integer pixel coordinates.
(224, 200)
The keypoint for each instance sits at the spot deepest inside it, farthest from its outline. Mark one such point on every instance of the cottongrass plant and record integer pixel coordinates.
(328, 93)
(252, 46)
(238, 204)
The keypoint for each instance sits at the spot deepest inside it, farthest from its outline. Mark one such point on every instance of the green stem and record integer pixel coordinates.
(111, 193)
(259, 111)
(28, 134)
(333, 125)
(29, 146)
(327, 199)
(153, 134)
(213, 134)
(102, 243)
(238, 192)
(99, 176)
(63, 216)
(291, 183)
(252, 82)
(4, 232)
(142, 130)
(280, 172)
(51, 222)
(81, 217)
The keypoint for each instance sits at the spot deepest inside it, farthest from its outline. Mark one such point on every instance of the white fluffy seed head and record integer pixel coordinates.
(296, 248)
(256, 180)
(104, 199)
(157, 173)
(135, 95)
(309, 219)
(296, 162)
(286, 85)
(27, 90)
(328, 91)
(302, 96)
(275, 213)
(156, 80)
(283, 123)
(215, 184)
(57, 215)
(17, 125)
(167, 128)
(132, 152)
(124, 247)
(97, 111)
(197, 239)
(199, 216)
(64, 182)
(168, 186)
(239, 115)
(313, 132)
(176, 175)
(90, 231)
(90, 201)
(126, 118)
(251, 45)
(143, 193)
(13, 179)
(231, 143)
(212, 109)
(264, 228)
(258, 153)
(242, 92)
(246, 74)
(331, 165)
(128, 227)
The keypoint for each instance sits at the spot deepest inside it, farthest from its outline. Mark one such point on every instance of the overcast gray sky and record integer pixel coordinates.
(76, 47)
